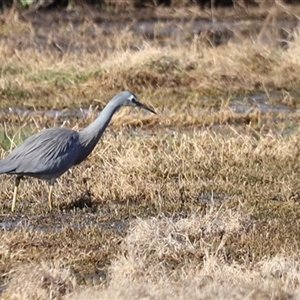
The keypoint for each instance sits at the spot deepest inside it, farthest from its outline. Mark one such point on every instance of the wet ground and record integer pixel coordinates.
(47, 223)
(58, 30)
(264, 103)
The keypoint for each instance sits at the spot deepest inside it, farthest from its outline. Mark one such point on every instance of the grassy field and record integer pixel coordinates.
(200, 201)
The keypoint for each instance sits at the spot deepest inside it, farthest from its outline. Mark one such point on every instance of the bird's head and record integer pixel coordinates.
(131, 99)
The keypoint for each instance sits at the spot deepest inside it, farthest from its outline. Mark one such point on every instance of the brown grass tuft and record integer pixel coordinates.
(44, 281)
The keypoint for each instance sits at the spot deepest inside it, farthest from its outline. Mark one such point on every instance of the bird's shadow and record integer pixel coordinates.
(84, 201)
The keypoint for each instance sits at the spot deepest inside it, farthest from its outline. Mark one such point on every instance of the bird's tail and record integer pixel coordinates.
(6, 166)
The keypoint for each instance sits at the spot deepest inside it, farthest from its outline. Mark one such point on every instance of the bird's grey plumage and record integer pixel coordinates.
(50, 153)
(44, 155)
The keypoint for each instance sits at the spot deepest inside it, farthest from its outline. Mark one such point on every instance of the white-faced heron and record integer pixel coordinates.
(50, 153)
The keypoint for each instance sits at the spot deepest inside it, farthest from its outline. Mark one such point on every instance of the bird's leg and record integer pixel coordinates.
(51, 184)
(17, 182)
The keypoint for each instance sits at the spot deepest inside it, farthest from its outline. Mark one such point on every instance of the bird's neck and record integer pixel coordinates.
(89, 137)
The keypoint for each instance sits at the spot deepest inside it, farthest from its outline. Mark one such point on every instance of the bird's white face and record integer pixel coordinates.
(132, 100)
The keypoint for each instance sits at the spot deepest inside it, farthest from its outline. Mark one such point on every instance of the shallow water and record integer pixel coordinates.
(81, 113)
(262, 102)
(239, 104)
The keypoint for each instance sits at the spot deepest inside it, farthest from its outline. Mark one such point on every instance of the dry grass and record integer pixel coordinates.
(142, 270)
(44, 281)
(76, 67)
(200, 201)
(215, 201)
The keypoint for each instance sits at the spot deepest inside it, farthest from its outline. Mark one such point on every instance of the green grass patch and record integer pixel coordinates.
(11, 139)
(14, 92)
(62, 78)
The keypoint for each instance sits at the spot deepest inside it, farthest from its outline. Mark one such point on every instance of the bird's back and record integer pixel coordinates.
(47, 154)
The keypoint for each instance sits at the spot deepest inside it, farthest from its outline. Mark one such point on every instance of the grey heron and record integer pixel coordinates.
(50, 153)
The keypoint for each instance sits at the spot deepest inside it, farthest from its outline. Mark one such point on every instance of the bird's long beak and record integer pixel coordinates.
(141, 105)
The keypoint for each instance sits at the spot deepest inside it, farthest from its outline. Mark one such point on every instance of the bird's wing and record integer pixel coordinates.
(48, 153)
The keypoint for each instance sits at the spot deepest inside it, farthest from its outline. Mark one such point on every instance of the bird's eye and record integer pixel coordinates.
(132, 98)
